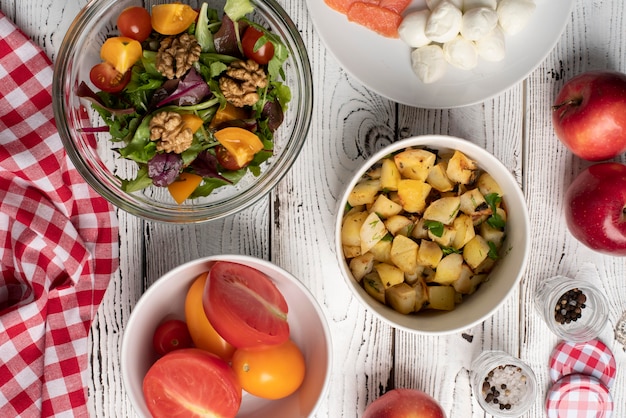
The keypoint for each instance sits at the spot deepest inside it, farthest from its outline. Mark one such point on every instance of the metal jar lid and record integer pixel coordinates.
(591, 358)
(579, 396)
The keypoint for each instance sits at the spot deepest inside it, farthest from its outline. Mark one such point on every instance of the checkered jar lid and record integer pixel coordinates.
(579, 396)
(591, 358)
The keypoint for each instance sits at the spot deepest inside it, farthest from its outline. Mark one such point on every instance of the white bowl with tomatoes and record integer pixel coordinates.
(232, 335)
(173, 113)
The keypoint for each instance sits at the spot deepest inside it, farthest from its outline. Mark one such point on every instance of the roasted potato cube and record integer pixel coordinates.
(449, 269)
(461, 169)
(404, 253)
(473, 203)
(468, 281)
(441, 297)
(447, 237)
(373, 285)
(443, 210)
(485, 266)
(415, 275)
(421, 295)
(487, 184)
(413, 194)
(351, 228)
(415, 163)
(372, 230)
(384, 207)
(382, 251)
(491, 234)
(438, 178)
(364, 192)
(475, 251)
(401, 297)
(429, 254)
(464, 231)
(351, 251)
(389, 274)
(399, 225)
(390, 175)
(362, 265)
(419, 231)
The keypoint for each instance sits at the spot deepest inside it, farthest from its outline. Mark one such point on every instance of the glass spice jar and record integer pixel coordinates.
(574, 309)
(504, 385)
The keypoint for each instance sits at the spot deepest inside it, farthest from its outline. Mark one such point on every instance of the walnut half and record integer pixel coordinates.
(240, 82)
(177, 54)
(168, 128)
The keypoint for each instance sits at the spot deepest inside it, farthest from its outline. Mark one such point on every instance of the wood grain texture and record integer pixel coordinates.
(294, 225)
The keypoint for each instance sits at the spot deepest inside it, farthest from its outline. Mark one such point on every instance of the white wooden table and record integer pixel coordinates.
(294, 225)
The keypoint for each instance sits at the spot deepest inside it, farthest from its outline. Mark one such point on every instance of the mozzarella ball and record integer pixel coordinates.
(444, 23)
(429, 63)
(431, 4)
(492, 47)
(461, 53)
(513, 15)
(472, 4)
(412, 28)
(478, 22)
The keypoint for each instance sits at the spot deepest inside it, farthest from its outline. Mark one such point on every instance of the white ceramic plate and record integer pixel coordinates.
(384, 65)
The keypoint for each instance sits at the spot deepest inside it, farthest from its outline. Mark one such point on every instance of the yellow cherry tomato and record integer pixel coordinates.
(202, 332)
(173, 18)
(121, 52)
(272, 372)
(241, 143)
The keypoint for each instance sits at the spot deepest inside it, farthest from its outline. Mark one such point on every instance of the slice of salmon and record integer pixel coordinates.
(379, 19)
(397, 6)
(342, 6)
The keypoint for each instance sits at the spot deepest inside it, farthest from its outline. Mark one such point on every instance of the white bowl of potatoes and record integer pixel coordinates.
(432, 234)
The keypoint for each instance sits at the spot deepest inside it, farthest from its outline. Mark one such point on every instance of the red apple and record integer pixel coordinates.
(595, 208)
(404, 403)
(589, 115)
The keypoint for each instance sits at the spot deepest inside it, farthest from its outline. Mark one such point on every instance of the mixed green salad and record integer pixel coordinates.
(190, 96)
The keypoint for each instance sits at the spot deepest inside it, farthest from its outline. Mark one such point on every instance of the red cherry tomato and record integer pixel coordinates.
(171, 335)
(226, 159)
(105, 77)
(261, 55)
(245, 306)
(191, 383)
(135, 23)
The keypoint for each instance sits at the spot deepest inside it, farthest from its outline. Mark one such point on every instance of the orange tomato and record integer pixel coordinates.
(172, 18)
(272, 372)
(184, 186)
(241, 143)
(202, 332)
(121, 52)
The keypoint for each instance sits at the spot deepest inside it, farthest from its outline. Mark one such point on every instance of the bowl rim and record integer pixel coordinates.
(301, 111)
(435, 141)
(161, 281)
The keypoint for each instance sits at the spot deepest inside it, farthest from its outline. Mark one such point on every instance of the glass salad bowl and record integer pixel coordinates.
(113, 151)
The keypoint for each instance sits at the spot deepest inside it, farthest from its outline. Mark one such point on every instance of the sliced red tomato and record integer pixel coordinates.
(171, 335)
(262, 53)
(191, 383)
(245, 306)
(135, 22)
(105, 77)
(226, 159)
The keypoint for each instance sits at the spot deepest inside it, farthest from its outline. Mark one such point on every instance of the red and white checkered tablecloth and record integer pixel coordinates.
(58, 245)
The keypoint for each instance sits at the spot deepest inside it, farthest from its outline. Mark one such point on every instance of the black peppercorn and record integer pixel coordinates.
(569, 306)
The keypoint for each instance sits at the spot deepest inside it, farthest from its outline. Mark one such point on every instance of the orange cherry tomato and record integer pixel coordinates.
(121, 52)
(202, 332)
(241, 143)
(272, 372)
(172, 18)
